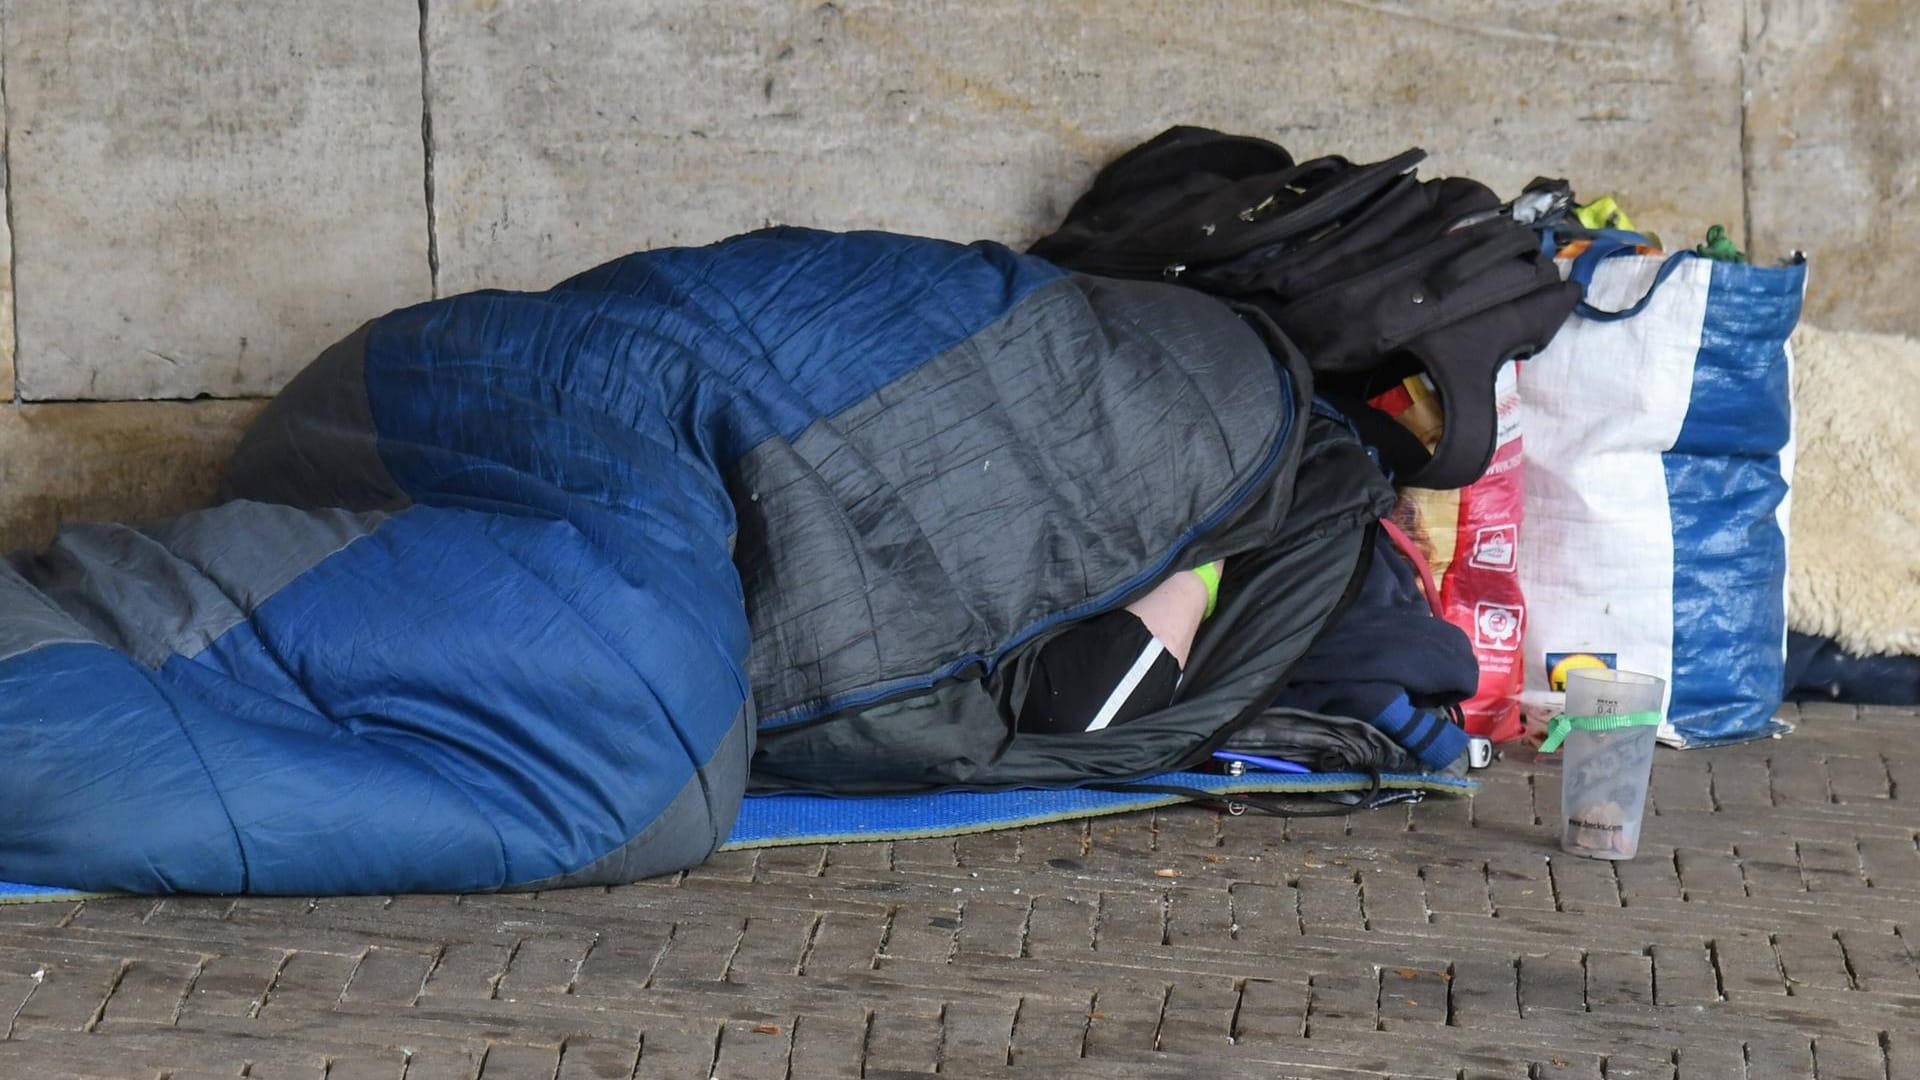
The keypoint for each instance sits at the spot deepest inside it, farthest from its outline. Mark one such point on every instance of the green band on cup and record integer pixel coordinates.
(1558, 729)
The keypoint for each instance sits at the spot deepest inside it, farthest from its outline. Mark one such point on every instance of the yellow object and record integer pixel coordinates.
(1557, 677)
(1210, 576)
(1603, 213)
(1430, 518)
(1423, 416)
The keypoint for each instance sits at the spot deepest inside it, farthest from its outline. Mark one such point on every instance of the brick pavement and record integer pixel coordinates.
(1764, 932)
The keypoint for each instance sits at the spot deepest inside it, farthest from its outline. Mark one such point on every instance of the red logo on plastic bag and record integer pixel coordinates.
(1495, 547)
(1497, 626)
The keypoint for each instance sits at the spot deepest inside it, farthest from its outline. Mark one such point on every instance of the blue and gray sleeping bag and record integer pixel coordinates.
(527, 589)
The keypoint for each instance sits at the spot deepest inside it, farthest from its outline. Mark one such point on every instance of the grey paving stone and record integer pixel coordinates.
(1841, 1058)
(388, 976)
(921, 932)
(1879, 961)
(1618, 979)
(1410, 996)
(68, 995)
(1902, 1050)
(506, 1061)
(205, 196)
(773, 943)
(1060, 926)
(468, 969)
(232, 985)
(1345, 1000)
(1484, 991)
(678, 1049)
(1653, 875)
(844, 943)
(1129, 920)
(1125, 1018)
(1683, 782)
(544, 964)
(596, 1059)
(1520, 882)
(149, 993)
(1858, 779)
(1747, 964)
(391, 1066)
(1683, 974)
(1457, 889)
(976, 1035)
(904, 1038)
(809, 861)
(1330, 902)
(1552, 982)
(1583, 884)
(1812, 960)
(1705, 873)
(1777, 1055)
(828, 1045)
(993, 927)
(1707, 1062)
(308, 981)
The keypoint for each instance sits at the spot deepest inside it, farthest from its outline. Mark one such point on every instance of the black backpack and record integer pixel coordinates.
(1374, 274)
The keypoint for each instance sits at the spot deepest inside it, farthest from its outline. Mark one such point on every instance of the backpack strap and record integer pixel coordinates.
(1463, 359)
(1410, 551)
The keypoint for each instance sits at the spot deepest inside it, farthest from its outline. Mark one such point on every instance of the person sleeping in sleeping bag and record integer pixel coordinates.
(1386, 659)
(1122, 664)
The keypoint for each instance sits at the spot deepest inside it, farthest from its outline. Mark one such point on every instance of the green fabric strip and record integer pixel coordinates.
(1561, 726)
(1210, 575)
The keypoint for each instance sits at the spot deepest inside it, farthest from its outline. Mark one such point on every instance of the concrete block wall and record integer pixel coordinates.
(201, 195)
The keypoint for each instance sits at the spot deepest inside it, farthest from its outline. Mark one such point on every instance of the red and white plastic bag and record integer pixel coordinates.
(1470, 538)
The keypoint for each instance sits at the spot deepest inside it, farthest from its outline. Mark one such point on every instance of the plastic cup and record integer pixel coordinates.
(1610, 724)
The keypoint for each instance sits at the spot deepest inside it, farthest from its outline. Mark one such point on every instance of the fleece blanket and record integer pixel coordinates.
(1854, 551)
(506, 584)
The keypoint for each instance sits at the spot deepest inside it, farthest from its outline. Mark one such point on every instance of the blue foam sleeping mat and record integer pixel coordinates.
(790, 819)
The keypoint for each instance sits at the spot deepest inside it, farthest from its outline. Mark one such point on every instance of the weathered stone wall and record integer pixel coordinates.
(202, 194)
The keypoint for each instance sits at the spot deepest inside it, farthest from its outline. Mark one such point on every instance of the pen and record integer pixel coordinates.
(1271, 764)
